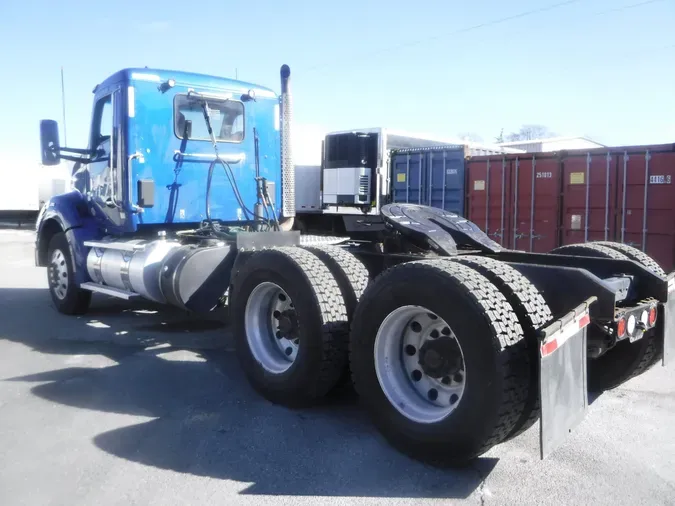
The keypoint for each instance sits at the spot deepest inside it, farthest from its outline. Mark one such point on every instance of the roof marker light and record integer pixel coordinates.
(167, 85)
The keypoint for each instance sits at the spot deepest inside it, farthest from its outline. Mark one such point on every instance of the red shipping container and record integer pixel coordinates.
(624, 195)
(538, 201)
(489, 201)
(515, 199)
(647, 202)
(589, 196)
(536, 188)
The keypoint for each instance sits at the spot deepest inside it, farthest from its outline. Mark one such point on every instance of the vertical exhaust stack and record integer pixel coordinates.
(287, 167)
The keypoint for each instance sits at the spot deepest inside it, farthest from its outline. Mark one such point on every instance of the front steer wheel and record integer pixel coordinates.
(439, 359)
(290, 326)
(68, 298)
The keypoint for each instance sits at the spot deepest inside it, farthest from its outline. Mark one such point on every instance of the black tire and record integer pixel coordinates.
(492, 344)
(589, 250)
(352, 277)
(75, 301)
(636, 255)
(323, 328)
(533, 313)
(626, 360)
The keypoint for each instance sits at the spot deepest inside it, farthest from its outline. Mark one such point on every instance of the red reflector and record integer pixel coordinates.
(621, 328)
(652, 316)
(585, 320)
(548, 348)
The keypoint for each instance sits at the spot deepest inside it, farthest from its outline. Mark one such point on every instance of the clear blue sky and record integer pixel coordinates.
(577, 68)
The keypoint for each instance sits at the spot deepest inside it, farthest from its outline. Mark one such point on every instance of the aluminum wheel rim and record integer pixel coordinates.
(414, 393)
(59, 277)
(268, 315)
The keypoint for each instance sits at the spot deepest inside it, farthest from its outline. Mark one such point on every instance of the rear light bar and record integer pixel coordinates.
(633, 322)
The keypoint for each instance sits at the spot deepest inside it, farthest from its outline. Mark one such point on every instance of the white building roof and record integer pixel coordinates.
(550, 140)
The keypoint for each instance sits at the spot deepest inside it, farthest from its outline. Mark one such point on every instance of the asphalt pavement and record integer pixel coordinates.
(138, 404)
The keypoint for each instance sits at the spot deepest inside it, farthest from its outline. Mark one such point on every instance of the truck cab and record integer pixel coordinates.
(149, 152)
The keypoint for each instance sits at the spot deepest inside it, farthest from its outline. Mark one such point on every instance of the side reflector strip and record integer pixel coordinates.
(560, 337)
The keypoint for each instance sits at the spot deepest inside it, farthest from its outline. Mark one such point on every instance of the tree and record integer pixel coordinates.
(500, 139)
(529, 132)
(470, 136)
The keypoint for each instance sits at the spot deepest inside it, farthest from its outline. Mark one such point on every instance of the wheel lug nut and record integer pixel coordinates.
(453, 398)
(410, 350)
(433, 394)
(417, 375)
(416, 327)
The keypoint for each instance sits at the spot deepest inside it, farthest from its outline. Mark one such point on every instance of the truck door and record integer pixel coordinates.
(105, 175)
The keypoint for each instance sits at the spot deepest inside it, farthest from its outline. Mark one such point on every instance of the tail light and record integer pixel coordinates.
(652, 316)
(621, 327)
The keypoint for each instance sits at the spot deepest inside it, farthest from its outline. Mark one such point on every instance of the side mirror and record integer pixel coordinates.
(49, 142)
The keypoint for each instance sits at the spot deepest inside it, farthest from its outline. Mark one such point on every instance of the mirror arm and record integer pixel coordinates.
(77, 151)
(82, 159)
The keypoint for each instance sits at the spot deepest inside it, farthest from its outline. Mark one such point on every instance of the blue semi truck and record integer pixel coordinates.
(185, 196)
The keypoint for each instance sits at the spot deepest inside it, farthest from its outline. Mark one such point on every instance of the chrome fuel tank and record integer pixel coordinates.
(133, 266)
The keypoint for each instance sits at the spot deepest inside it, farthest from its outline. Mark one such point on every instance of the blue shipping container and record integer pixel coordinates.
(429, 176)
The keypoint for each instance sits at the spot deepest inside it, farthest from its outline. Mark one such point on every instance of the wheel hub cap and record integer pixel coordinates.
(58, 274)
(441, 357)
(419, 364)
(271, 325)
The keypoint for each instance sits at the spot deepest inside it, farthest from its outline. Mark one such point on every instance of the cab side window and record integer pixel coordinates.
(103, 123)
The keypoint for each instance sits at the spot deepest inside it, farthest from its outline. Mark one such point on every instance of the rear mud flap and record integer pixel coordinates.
(562, 378)
(669, 322)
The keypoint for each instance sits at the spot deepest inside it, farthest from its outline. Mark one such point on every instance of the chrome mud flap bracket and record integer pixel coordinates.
(562, 376)
(668, 322)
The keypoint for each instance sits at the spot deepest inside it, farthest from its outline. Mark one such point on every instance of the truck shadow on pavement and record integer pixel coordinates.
(198, 415)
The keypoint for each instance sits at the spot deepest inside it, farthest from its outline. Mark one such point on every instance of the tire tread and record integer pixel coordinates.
(532, 312)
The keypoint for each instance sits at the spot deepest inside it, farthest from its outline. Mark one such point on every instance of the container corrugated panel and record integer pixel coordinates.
(537, 202)
(646, 205)
(515, 199)
(429, 176)
(489, 202)
(589, 193)
(623, 194)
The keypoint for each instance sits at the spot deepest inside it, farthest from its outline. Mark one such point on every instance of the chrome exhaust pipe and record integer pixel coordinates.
(287, 167)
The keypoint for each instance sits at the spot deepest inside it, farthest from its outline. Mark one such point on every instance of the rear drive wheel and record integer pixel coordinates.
(439, 360)
(290, 325)
(352, 277)
(68, 298)
(626, 360)
(636, 255)
(533, 313)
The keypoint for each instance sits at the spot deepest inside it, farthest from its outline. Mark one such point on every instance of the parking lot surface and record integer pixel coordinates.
(136, 404)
